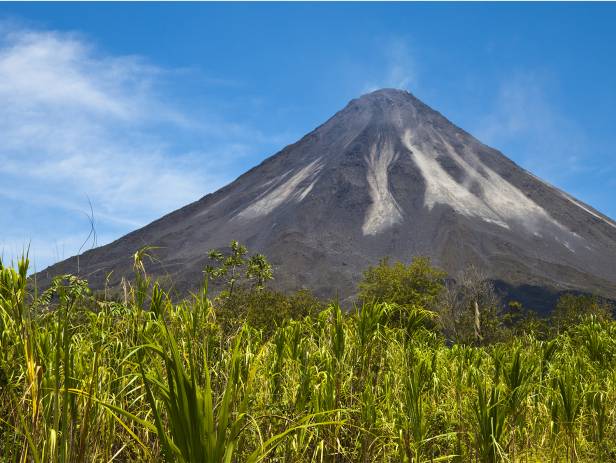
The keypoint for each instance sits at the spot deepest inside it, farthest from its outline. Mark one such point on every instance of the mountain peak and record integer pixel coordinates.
(388, 96)
(388, 109)
(386, 92)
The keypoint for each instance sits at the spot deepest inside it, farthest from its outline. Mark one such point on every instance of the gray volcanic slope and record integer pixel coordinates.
(386, 176)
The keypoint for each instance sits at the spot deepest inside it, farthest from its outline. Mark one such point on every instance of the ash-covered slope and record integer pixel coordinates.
(386, 176)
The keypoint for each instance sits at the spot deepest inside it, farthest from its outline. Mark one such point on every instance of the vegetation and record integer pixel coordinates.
(415, 373)
(417, 284)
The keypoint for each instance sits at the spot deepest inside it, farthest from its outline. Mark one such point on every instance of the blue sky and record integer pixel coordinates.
(142, 108)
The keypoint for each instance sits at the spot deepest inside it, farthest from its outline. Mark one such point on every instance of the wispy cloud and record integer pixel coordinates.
(76, 123)
(399, 68)
(524, 119)
(527, 124)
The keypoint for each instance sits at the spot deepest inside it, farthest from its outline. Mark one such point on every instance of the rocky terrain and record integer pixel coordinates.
(385, 176)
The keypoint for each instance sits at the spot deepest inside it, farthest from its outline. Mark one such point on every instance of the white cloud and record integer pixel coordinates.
(76, 123)
(399, 69)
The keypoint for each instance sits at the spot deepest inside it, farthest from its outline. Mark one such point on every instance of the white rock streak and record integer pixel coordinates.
(384, 210)
(499, 202)
(290, 190)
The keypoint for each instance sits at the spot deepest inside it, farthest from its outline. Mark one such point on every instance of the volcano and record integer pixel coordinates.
(385, 176)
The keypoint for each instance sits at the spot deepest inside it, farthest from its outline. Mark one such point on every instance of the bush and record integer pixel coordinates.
(571, 309)
(415, 284)
(264, 309)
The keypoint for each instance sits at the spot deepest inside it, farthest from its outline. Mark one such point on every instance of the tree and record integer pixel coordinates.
(417, 283)
(259, 270)
(468, 308)
(412, 289)
(571, 309)
(520, 321)
(234, 268)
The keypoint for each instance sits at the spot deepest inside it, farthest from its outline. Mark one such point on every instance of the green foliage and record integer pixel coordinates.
(259, 376)
(490, 416)
(235, 268)
(416, 284)
(265, 310)
(571, 309)
(520, 321)
(202, 427)
(411, 291)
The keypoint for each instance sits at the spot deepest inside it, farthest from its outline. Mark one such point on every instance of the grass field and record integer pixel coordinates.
(85, 379)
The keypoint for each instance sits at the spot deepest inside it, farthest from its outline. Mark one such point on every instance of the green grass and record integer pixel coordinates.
(84, 379)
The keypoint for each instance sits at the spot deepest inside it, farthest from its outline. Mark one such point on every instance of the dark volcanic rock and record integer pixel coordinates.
(386, 176)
